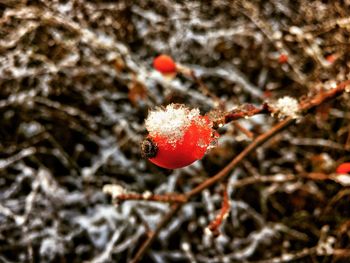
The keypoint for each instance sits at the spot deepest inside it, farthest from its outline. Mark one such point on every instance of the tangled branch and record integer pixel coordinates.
(305, 106)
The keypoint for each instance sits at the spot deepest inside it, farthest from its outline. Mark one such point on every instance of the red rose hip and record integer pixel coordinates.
(177, 136)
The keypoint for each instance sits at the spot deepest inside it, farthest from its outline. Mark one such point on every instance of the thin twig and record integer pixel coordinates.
(152, 235)
(214, 225)
(247, 133)
(198, 80)
(250, 148)
(347, 143)
(280, 178)
(304, 107)
(219, 118)
(204, 89)
(166, 198)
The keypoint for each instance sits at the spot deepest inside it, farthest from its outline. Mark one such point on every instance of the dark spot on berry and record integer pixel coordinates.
(149, 148)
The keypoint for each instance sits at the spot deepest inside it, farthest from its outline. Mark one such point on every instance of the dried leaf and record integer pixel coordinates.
(137, 92)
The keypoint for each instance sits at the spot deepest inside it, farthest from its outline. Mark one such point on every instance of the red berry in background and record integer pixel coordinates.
(283, 58)
(331, 58)
(164, 64)
(267, 94)
(177, 136)
(344, 168)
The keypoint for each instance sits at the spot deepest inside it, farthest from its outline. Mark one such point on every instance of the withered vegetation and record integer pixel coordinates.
(76, 84)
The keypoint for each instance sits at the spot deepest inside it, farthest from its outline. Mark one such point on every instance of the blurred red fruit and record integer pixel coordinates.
(283, 58)
(331, 58)
(344, 168)
(164, 64)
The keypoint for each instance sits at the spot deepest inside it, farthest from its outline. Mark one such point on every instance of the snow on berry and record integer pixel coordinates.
(170, 122)
(178, 136)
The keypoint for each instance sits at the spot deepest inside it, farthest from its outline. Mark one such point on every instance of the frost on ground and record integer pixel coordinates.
(76, 85)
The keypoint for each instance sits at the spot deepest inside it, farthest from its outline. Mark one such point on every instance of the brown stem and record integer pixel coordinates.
(202, 87)
(347, 143)
(166, 198)
(251, 147)
(152, 235)
(247, 133)
(321, 97)
(219, 118)
(304, 107)
(225, 209)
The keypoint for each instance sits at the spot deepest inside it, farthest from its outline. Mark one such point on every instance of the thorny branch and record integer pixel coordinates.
(305, 106)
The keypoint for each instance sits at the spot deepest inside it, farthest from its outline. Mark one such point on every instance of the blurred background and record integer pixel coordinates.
(76, 83)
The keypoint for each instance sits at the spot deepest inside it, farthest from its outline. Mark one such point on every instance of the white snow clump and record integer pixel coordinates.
(287, 107)
(171, 122)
